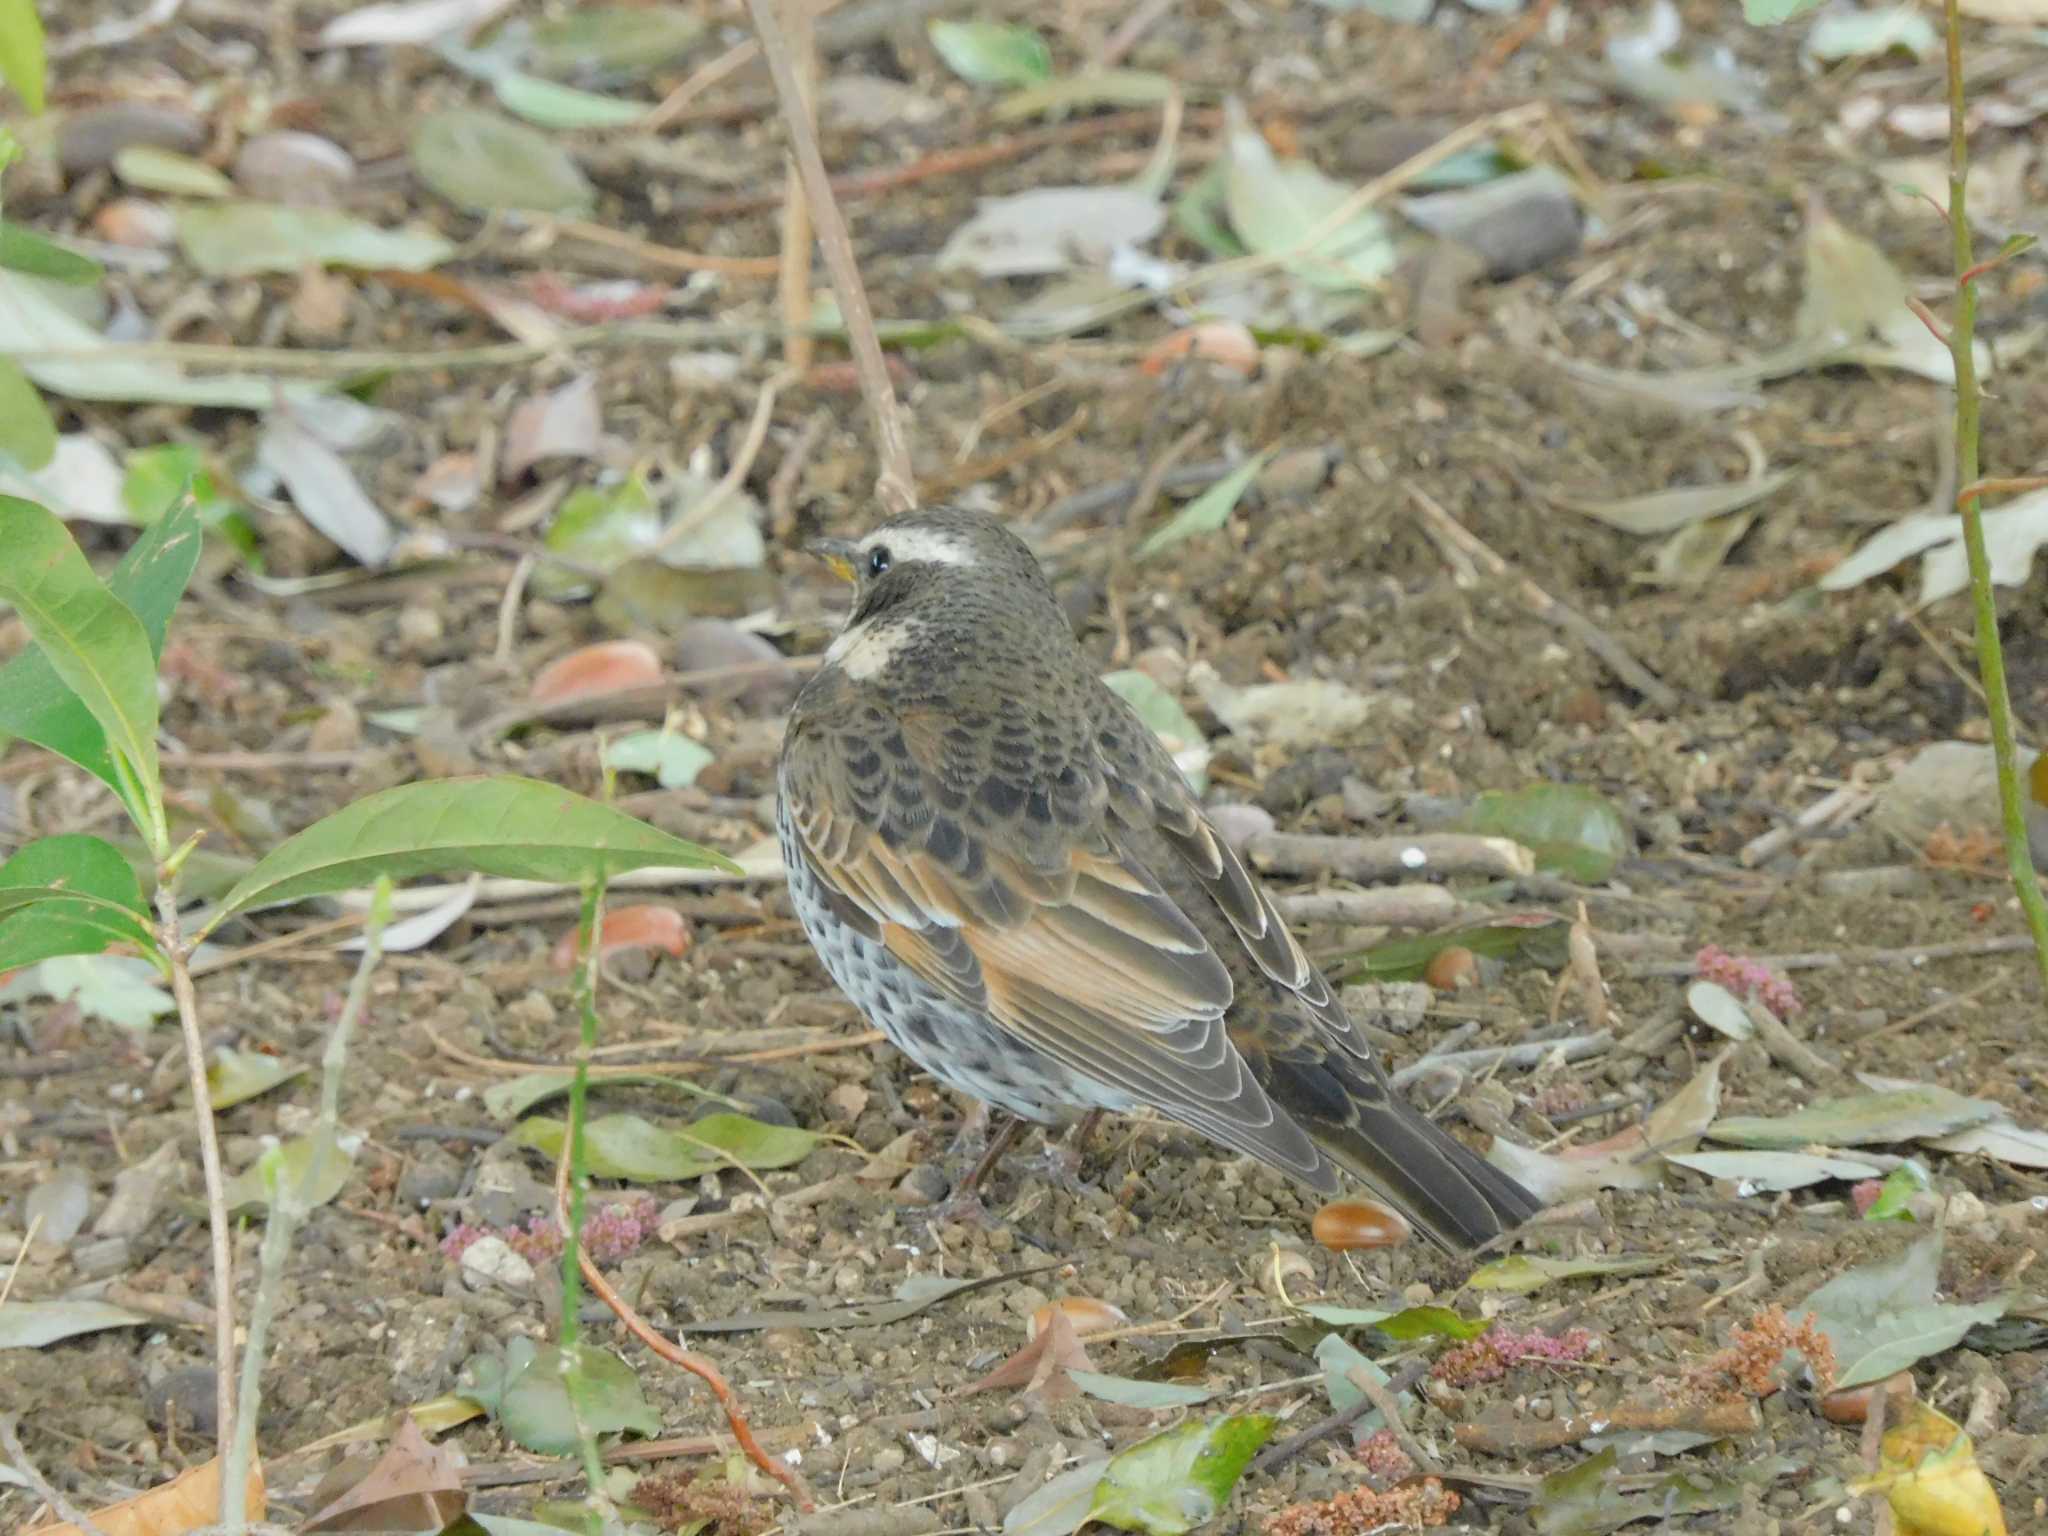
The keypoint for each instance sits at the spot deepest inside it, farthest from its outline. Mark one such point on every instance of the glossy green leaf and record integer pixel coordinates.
(1895, 1194)
(23, 62)
(526, 1389)
(1860, 1119)
(36, 705)
(1208, 511)
(1176, 1481)
(23, 250)
(69, 895)
(1523, 1272)
(236, 239)
(485, 163)
(1129, 1393)
(1573, 831)
(628, 1147)
(510, 827)
(28, 434)
(991, 52)
(255, 1187)
(94, 644)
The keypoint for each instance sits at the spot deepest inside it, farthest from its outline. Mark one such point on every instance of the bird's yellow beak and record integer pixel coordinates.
(838, 554)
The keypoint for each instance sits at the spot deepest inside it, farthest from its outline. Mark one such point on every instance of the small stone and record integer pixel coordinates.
(419, 627)
(183, 1399)
(287, 167)
(98, 1257)
(428, 1178)
(490, 1261)
(89, 140)
(923, 1185)
(137, 223)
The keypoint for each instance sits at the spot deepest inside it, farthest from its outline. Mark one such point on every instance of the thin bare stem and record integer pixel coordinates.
(292, 1196)
(896, 486)
(1969, 407)
(794, 288)
(172, 944)
(588, 933)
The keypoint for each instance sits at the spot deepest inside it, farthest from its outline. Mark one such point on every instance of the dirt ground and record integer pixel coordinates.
(1327, 572)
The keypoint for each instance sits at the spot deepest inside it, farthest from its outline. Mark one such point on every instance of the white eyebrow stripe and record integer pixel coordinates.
(922, 544)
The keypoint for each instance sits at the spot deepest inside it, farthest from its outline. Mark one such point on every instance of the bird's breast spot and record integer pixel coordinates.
(867, 649)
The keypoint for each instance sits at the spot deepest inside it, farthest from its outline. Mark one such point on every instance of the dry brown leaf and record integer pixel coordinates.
(188, 1502)
(1041, 1366)
(414, 1486)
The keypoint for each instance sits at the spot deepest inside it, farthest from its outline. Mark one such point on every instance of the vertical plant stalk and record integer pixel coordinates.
(896, 485)
(794, 285)
(587, 932)
(172, 945)
(1969, 412)
(291, 1199)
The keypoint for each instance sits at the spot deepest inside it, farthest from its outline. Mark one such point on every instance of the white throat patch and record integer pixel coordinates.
(926, 544)
(862, 650)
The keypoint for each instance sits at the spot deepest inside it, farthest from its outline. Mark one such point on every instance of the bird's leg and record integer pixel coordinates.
(971, 1140)
(964, 1204)
(1064, 1157)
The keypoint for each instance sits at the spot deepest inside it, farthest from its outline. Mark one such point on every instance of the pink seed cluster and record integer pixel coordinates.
(1488, 1357)
(1865, 1193)
(1744, 976)
(1384, 1461)
(610, 1233)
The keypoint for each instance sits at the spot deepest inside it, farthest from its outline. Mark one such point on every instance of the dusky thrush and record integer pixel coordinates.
(1000, 864)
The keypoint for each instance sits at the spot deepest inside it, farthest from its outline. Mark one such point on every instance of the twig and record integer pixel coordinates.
(17, 1457)
(736, 473)
(1390, 906)
(1984, 600)
(896, 485)
(508, 608)
(1530, 1053)
(1834, 959)
(696, 1364)
(504, 1474)
(1525, 1436)
(668, 256)
(794, 283)
(2002, 486)
(1385, 858)
(1547, 608)
(171, 943)
(1786, 1048)
(1276, 1456)
(1381, 1395)
(1828, 813)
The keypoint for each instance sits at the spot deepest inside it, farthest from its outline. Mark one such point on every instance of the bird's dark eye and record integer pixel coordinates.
(878, 560)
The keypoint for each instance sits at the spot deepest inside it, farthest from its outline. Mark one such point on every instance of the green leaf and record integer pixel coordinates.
(1431, 1323)
(33, 1324)
(548, 105)
(527, 1389)
(991, 52)
(69, 895)
(1174, 727)
(1590, 1499)
(1138, 1394)
(237, 1076)
(23, 64)
(1524, 1272)
(1767, 1173)
(614, 39)
(94, 644)
(1202, 213)
(28, 435)
(1899, 1187)
(674, 759)
(1860, 1119)
(235, 239)
(1279, 208)
(1882, 1318)
(1339, 1359)
(1536, 937)
(1768, 13)
(1176, 1481)
(118, 988)
(1573, 831)
(1059, 1507)
(34, 702)
(509, 1100)
(510, 827)
(149, 168)
(485, 163)
(1208, 511)
(289, 1164)
(628, 1147)
(23, 250)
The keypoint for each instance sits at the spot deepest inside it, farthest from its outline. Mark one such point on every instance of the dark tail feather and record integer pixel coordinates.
(1454, 1195)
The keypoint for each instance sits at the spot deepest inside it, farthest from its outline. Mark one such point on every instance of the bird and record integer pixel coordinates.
(1001, 865)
